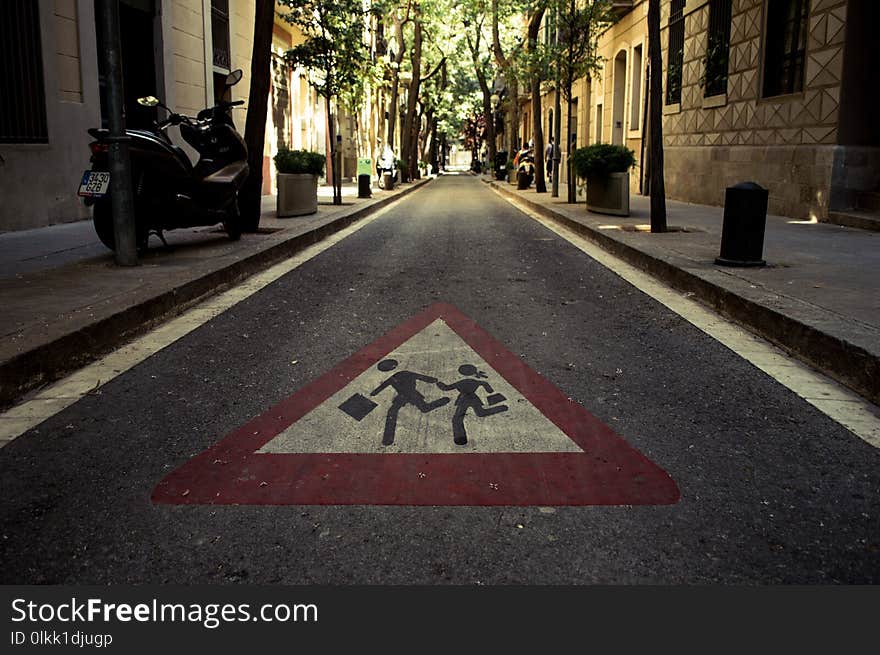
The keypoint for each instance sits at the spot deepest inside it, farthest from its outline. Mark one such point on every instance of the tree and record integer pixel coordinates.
(655, 149)
(536, 73)
(502, 11)
(334, 51)
(579, 26)
(473, 19)
(255, 126)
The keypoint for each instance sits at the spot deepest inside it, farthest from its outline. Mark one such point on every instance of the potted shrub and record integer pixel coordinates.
(605, 167)
(298, 172)
(511, 172)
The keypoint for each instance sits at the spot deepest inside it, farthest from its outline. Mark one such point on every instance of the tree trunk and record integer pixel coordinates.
(513, 94)
(395, 82)
(655, 154)
(255, 126)
(537, 130)
(333, 175)
(409, 147)
(572, 182)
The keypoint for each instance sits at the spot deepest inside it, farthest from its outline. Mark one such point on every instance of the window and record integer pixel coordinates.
(676, 52)
(23, 103)
(635, 107)
(598, 123)
(714, 79)
(220, 32)
(785, 42)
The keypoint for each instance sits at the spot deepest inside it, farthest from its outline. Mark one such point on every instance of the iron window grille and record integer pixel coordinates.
(675, 55)
(23, 103)
(220, 32)
(714, 80)
(785, 44)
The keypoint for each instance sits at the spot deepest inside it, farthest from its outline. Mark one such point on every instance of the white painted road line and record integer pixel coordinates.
(836, 401)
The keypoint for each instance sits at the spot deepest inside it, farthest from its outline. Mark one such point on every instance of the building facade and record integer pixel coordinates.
(178, 50)
(777, 92)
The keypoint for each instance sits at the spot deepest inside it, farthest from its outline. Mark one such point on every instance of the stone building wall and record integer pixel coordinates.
(786, 143)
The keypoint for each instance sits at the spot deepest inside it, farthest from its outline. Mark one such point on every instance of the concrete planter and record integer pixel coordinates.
(511, 175)
(609, 195)
(297, 194)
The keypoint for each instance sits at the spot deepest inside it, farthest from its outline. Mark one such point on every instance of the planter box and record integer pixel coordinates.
(609, 195)
(297, 194)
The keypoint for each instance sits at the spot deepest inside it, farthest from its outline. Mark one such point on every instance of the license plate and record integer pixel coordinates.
(94, 184)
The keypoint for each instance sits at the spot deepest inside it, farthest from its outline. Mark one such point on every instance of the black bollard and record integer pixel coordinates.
(745, 217)
(364, 182)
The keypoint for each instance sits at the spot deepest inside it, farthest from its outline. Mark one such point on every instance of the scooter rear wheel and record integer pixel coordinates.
(102, 218)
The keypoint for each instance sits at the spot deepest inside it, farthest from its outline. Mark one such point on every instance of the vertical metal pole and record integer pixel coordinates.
(118, 155)
(337, 171)
(557, 119)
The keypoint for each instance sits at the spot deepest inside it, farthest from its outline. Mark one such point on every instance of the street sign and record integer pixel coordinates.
(436, 412)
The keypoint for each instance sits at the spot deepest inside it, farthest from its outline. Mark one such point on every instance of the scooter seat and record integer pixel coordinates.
(232, 174)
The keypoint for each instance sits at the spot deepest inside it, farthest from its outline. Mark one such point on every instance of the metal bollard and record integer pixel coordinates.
(745, 217)
(364, 182)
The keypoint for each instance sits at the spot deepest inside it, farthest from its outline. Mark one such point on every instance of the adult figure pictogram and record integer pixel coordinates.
(404, 383)
(468, 399)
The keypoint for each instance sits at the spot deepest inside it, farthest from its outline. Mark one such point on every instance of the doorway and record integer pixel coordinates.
(140, 59)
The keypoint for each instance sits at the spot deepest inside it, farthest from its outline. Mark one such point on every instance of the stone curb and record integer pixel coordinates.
(846, 362)
(54, 359)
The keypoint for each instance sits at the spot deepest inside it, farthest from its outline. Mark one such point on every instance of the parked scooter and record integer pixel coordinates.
(386, 165)
(525, 163)
(169, 192)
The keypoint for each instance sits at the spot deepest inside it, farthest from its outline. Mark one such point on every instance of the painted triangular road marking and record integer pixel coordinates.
(436, 412)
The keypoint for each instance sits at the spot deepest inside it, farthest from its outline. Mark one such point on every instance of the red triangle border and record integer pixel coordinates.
(608, 472)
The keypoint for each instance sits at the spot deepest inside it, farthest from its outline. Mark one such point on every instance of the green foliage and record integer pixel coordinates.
(580, 25)
(714, 77)
(601, 159)
(334, 49)
(299, 161)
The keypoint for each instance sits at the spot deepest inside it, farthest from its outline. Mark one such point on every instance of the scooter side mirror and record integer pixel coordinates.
(149, 101)
(234, 77)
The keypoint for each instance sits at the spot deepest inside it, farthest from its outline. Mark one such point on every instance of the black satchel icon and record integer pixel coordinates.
(358, 406)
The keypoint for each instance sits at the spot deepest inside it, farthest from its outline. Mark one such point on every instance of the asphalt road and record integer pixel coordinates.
(771, 490)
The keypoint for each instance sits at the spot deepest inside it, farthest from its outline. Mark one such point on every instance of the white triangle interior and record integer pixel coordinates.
(438, 352)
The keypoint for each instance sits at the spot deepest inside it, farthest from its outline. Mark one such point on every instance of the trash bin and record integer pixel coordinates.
(522, 180)
(745, 217)
(364, 182)
(387, 181)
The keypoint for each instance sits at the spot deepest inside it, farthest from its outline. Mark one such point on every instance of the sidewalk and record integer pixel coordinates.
(65, 302)
(817, 298)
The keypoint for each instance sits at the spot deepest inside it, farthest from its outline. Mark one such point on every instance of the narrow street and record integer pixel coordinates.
(701, 469)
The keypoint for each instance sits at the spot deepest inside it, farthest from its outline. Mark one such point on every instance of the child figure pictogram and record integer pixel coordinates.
(468, 399)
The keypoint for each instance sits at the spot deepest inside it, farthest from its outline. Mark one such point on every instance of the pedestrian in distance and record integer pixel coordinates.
(549, 151)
